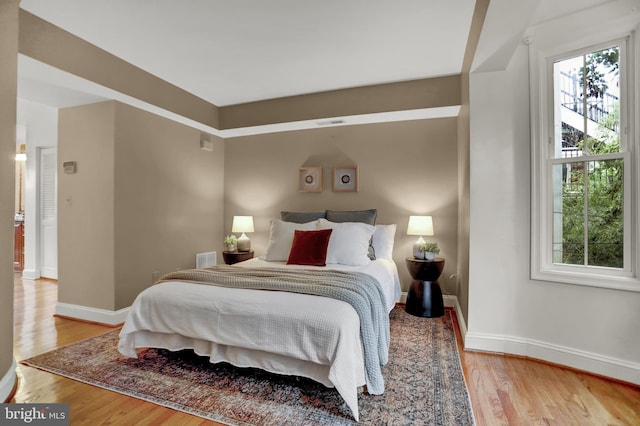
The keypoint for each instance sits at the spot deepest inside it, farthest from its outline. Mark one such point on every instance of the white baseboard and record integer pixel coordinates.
(30, 274)
(581, 360)
(86, 313)
(452, 302)
(8, 382)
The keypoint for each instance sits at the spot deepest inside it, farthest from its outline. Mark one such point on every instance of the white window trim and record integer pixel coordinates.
(541, 98)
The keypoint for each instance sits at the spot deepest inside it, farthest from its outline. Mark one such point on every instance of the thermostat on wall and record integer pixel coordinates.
(205, 142)
(69, 167)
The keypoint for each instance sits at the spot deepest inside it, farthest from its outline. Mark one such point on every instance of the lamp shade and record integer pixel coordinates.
(242, 224)
(420, 225)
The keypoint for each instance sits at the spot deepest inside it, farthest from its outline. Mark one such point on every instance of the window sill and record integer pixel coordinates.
(612, 282)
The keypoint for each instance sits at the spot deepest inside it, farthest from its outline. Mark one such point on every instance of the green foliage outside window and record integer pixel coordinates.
(604, 204)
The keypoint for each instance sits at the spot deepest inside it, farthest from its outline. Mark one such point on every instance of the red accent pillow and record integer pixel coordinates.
(309, 247)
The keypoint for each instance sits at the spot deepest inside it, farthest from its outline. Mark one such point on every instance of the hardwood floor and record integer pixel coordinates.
(37, 331)
(504, 390)
(509, 390)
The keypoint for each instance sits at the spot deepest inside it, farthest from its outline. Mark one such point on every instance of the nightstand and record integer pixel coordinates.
(231, 257)
(424, 298)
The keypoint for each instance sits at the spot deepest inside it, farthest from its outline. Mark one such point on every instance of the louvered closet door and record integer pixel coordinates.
(48, 213)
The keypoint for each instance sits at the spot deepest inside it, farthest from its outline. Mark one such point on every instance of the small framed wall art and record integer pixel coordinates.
(345, 179)
(310, 179)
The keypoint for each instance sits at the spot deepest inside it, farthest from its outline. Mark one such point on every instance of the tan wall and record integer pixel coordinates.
(8, 91)
(169, 196)
(406, 95)
(145, 198)
(405, 168)
(86, 206)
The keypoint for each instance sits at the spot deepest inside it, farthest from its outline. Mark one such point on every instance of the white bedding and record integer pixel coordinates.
(281, 332)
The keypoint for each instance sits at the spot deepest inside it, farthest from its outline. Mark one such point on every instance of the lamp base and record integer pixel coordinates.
(244, 243)
(417, 252)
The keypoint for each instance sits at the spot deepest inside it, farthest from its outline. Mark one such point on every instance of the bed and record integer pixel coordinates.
(247, 314)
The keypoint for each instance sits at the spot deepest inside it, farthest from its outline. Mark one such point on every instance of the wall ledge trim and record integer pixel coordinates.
(8, 382)
(589, 362)
(85, 313)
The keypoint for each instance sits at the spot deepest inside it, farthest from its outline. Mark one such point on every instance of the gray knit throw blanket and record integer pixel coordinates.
(360, 290)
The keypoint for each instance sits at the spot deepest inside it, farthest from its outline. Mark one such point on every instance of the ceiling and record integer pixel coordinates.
(233, 52)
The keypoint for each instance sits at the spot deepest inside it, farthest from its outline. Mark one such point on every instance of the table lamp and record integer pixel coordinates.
(243, 224)
(419, 225)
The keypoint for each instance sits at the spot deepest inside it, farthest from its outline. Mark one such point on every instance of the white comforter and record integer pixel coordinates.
(285, 333)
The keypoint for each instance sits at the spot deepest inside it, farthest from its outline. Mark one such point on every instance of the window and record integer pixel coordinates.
(584, 159)
(586, 164)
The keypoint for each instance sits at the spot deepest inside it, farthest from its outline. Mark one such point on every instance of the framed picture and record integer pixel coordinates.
(310, 179)
(345, 179)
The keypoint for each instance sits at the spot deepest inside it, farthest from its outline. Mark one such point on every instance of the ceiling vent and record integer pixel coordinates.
(331, 122)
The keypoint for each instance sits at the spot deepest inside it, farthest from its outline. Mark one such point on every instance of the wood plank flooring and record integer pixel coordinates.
(504, 390)
(37, 330)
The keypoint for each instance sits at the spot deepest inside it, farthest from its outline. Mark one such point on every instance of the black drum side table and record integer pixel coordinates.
(424, 298)
(231, 257)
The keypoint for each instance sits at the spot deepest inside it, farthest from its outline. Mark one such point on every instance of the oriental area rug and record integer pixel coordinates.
(424, 384)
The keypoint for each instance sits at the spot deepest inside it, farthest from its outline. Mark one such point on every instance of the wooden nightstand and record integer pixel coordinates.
(424, 298)
(231, 257)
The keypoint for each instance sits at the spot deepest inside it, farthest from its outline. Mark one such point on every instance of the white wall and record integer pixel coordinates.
(587, 328)
(41, 123)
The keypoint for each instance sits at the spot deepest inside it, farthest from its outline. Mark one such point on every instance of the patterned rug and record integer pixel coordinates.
(424, 383)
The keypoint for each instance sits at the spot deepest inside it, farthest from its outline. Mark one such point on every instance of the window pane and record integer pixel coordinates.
(568, 213)
(601, 241)
(605, 207)
(602, 80)
(587, 102)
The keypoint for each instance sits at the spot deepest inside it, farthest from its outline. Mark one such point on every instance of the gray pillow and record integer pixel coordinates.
(364, 216)
(301, 217)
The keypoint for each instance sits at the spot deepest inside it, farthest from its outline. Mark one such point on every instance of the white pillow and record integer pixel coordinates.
(383, 239)
(349, 242)
(281, 238)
